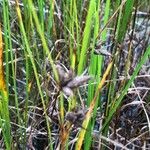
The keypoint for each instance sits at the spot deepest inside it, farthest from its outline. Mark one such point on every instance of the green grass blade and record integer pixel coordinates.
(4, 101)
(26, 43)
(86, 36)
(44, 44)
(119, 98)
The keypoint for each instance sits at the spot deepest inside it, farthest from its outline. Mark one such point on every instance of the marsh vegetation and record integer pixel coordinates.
(74, 74)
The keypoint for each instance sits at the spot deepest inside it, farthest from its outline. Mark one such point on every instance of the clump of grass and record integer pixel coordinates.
(69, 67)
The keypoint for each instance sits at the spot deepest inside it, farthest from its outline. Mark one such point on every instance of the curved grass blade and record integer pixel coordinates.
(26, 43)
